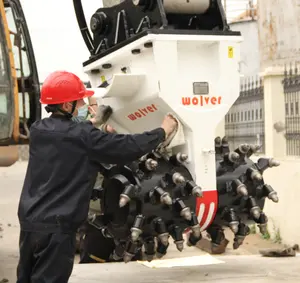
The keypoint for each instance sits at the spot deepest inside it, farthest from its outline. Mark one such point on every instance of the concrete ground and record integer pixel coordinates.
(234, 269)
(239, 265)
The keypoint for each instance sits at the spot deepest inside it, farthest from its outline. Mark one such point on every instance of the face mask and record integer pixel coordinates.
(83, 111)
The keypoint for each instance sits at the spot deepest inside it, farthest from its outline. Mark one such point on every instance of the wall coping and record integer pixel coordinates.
(273, 72)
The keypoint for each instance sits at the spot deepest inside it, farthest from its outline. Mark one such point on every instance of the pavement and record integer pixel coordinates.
(232, 269)
(190, 266)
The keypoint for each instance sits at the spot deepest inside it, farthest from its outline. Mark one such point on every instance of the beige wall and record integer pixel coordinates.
(285, 214)
(285, 179)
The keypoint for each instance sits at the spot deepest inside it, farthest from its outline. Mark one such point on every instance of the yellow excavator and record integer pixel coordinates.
(19, 82)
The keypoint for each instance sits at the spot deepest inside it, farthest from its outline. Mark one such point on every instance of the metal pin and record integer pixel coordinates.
(274, 163)
(272, 195)
(166, 199)
(197, 191)
(125, 197)
(123, 200)
(136, 230)
(254, 208)
(164, 238)
(127, 257)
(131, 249)
(161, 230)
(182, 157)
(233, 157)
(186, 213)
(255, 211)
(176, 233)
(234, 226)
(242, 190)
(244, 148)
(163, 196)
(161, 250)
(149, 249)
(194, 224)
(239, 188)
(193, 189)
(151, 164)
(177, 178)
(254, 174)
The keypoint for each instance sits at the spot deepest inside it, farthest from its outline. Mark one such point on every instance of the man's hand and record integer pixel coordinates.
(100, 116)
(169, 125)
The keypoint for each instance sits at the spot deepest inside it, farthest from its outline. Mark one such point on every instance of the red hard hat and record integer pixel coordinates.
(62, 86)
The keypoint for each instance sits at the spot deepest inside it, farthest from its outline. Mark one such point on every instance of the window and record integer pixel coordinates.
(242, 116)
(256, 114)
(14, 37)
(297, 108)
(252, 115)
(6, 89)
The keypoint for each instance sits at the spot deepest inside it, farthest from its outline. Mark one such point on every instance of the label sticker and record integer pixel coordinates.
(230, 52)
(103, 79)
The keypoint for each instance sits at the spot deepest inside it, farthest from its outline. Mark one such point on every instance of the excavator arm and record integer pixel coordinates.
(19, 82)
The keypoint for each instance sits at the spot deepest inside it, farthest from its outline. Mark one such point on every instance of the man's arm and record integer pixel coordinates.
(120, 149)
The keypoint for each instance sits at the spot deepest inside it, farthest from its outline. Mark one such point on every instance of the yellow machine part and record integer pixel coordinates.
(9, 154)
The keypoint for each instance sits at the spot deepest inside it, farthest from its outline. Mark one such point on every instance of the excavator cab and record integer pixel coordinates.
(19, 82)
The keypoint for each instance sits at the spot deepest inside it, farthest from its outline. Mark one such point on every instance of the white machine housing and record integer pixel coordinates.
(194, 77)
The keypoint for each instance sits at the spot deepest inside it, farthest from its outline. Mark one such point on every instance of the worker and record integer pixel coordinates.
(90, 242)
(92, 245)
(65, 157)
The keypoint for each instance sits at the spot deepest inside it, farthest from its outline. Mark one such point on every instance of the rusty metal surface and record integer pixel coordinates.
(279, 31)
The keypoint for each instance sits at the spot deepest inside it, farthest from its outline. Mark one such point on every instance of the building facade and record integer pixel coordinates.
(244, 123)
(279, 32)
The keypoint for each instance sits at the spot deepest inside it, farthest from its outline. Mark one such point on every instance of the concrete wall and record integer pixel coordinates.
(279, 31)
(284, 216)
(249, 48)
(285, 179)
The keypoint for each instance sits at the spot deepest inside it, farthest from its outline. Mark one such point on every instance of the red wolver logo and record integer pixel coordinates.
(206, 208)
(142, 112)
(202, 100)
